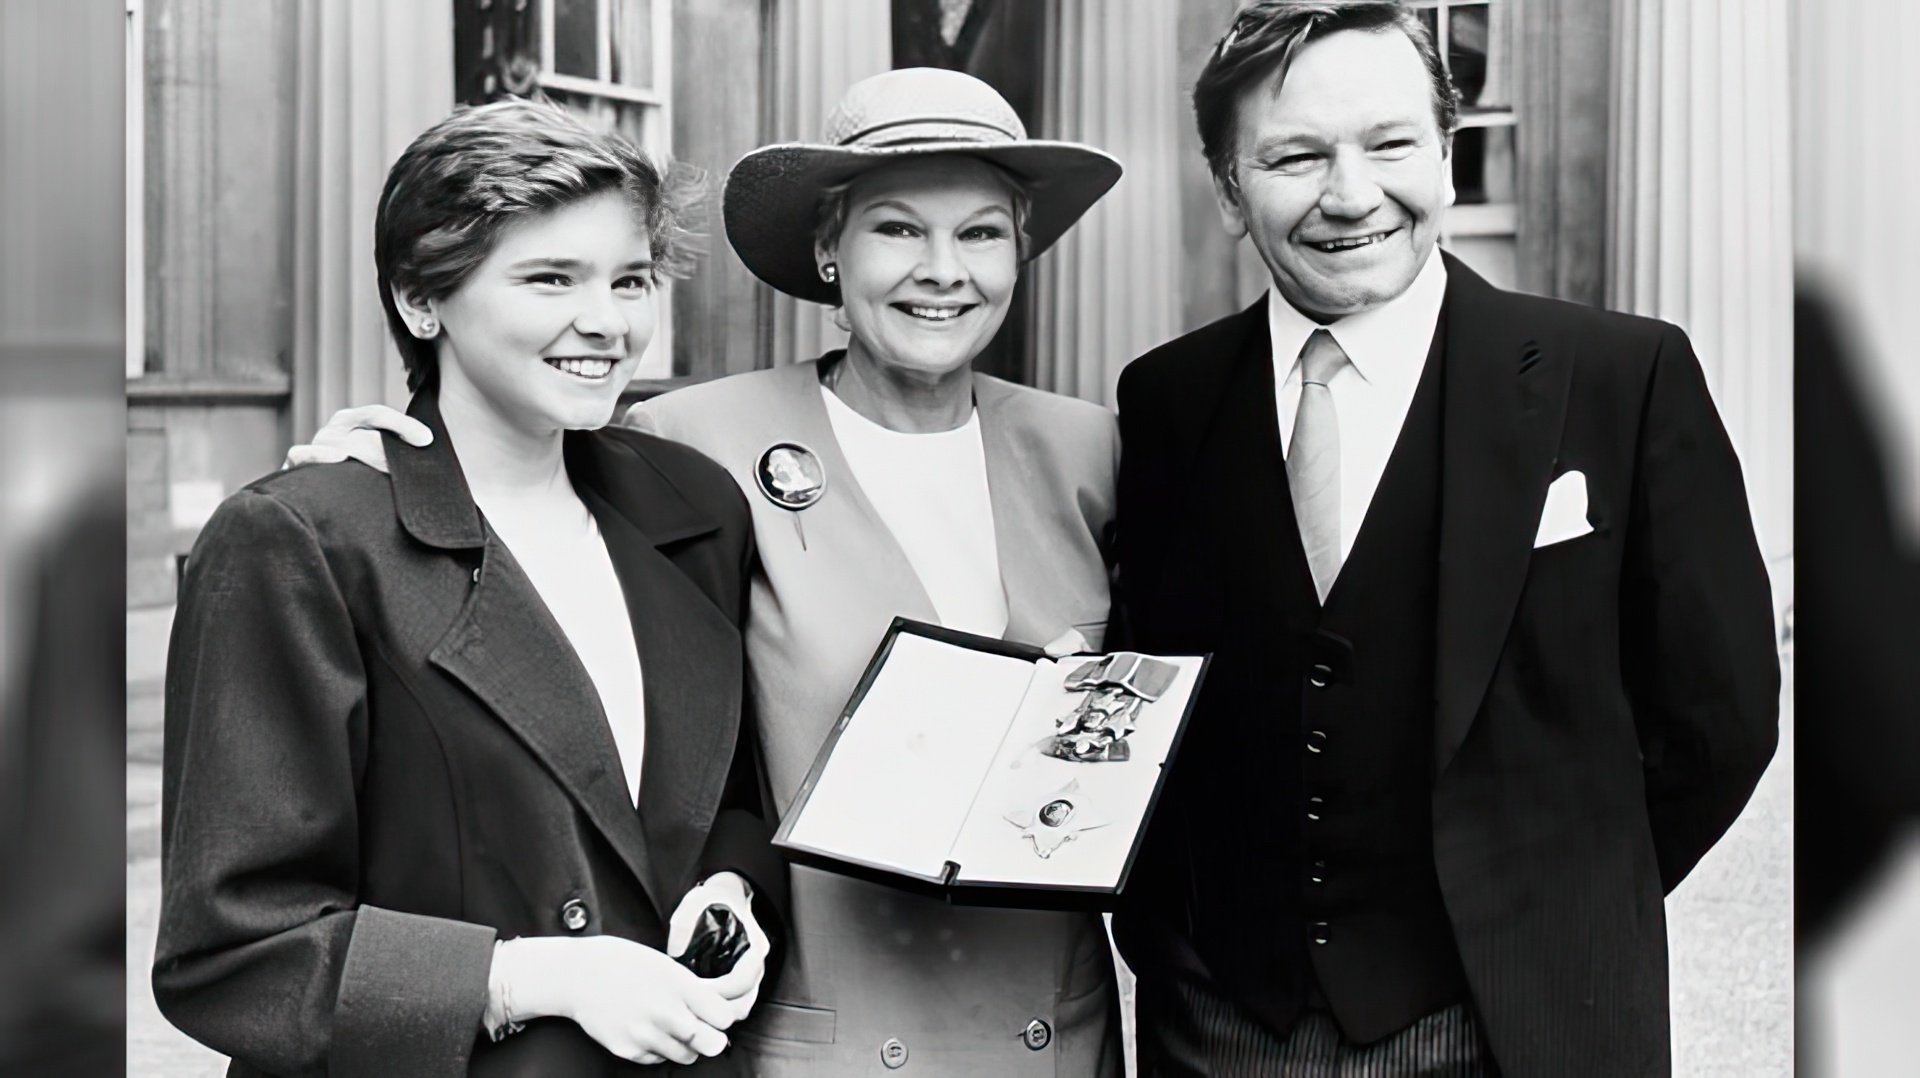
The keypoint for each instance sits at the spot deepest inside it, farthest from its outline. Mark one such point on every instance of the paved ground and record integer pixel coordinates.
(154, 1048)
(1730, 925)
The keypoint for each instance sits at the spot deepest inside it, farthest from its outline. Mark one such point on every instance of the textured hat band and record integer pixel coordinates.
(916, 130)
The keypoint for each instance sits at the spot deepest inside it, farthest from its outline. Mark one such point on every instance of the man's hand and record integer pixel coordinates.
(354, 434)
(635, 1001)
(741, 985)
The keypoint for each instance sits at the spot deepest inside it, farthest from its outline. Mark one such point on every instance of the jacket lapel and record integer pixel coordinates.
(843, 529)
(1504, 400)
(1242, 461)
(505, 647)
(1012, 488)
(690, 659)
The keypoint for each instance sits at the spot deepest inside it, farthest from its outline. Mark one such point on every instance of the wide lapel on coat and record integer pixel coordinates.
(845, 533)
(690, 655)
(1504, 398)
(1014, 485)
(506, 648)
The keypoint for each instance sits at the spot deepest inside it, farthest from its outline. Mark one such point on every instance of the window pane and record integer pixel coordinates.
(1483, 165)
(1467, 52)
(575, 28)
(633, 42)
(606, 114)
(1432, 20)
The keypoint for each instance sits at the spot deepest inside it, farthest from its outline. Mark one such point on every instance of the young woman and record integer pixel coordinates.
(454, 756)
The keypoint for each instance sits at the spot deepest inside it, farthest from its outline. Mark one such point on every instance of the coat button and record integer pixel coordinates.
(574, 915)
(893, 1054)
(1321, 933)
(1316, 741)
(1037, 1035)
(1320, 675)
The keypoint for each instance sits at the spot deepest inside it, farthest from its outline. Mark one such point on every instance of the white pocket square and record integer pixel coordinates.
(1565, 515)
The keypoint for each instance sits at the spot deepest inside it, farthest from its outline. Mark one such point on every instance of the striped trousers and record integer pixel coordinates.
(1189, 1030)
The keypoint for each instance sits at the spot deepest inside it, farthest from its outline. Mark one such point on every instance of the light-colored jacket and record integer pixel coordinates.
(955, 987)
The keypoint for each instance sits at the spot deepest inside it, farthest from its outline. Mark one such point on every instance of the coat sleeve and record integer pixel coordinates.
(264, 951)
(1697, 619)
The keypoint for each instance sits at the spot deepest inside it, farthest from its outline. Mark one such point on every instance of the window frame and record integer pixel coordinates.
(1490, 220)
(657, 105)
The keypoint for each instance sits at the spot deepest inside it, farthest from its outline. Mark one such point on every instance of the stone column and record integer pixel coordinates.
(1112, 288)
(1699, 214)
(372, 76)
(820, 47)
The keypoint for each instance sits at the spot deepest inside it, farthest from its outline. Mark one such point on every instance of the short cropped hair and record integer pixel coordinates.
(1268, 34)
(830, 218)
(465, 178)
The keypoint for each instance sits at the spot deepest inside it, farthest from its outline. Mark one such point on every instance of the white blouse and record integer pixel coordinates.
(569, 566)
(931, 492)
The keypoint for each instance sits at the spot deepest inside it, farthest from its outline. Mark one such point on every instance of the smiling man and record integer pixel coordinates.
(1493, 660)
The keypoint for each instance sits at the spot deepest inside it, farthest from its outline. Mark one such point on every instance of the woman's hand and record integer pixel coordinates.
(354, 433)
(635, 1001)
(740, 986)
(1068, 643)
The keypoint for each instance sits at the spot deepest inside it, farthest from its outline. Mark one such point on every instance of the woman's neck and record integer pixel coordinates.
(502, 462)
(910, 402)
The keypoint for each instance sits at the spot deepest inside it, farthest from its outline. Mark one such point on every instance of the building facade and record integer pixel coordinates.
(1631, 154)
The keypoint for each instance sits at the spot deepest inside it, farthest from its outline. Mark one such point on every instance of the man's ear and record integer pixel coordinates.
(1446, 168)
(1232, 218)
(414, 308)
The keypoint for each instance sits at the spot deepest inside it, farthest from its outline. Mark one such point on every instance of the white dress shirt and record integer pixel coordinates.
(931, 492)
(1387, 347)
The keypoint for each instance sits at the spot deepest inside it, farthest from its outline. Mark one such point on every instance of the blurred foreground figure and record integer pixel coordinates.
(1857, 683)
(62, 837)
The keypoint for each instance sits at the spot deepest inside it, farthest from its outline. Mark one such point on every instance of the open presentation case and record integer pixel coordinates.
(967, 766)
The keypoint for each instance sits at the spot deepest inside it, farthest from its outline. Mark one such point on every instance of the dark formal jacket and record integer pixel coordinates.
(1601, 707)
(382, 755)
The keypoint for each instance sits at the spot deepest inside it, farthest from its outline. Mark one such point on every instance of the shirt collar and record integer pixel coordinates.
(1392, 338)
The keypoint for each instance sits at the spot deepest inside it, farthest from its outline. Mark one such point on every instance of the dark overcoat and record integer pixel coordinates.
(382, 755)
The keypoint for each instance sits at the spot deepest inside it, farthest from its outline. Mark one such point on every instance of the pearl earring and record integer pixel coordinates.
(829, 272)
(428, 328)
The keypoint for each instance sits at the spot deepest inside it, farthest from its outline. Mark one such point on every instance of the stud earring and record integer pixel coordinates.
(829, 273)
(428, 328)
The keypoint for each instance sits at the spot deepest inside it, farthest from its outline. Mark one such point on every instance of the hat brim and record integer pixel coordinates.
(773, 194)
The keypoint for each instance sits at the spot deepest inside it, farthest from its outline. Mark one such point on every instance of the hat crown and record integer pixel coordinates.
(921, 104)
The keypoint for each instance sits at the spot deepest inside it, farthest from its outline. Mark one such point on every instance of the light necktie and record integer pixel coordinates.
(1313, 460)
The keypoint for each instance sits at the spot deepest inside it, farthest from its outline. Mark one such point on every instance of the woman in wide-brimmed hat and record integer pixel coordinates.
(947, 496)
(891, 479)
